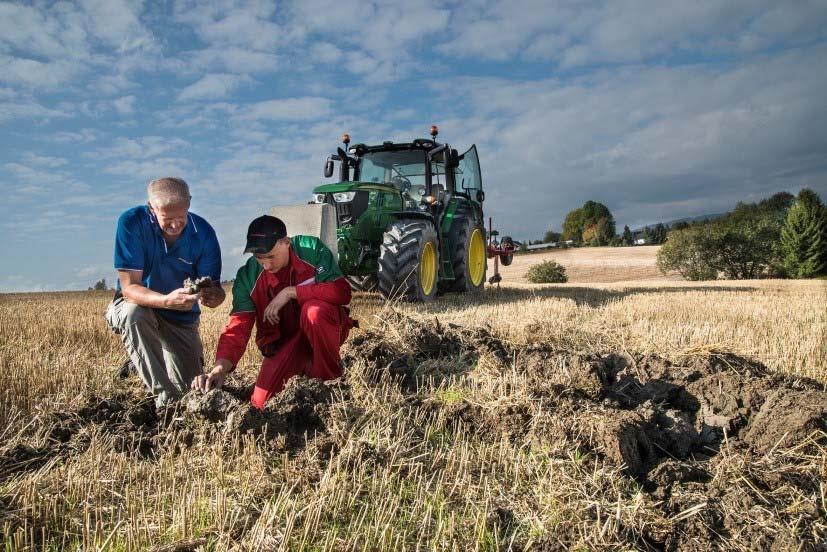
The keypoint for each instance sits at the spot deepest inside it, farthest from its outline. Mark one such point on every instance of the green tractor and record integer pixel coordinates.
(409, 218)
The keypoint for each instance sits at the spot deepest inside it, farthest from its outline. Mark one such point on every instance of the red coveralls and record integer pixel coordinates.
(307, 338)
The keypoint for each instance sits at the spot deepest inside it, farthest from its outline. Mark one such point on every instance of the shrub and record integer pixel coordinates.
(686, 252)
(732, 248)
(548, 272)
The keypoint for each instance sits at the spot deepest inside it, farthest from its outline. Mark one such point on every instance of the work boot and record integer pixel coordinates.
(126, 369)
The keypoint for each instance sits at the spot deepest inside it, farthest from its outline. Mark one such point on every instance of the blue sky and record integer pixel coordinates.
(658, 109)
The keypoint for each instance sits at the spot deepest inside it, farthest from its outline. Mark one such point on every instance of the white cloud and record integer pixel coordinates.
(80, 136)
(124, 105)
(289, 109)
(213, 86)
(116, 23)
(28, 109)
(578, 33)
(41, 175)
(149, 169)
(241, 24)
(34, 30)
(325, 52)
(111, 85)
(376, 27)
(35, 74)
(144, 147)
(97, 271)
(232, 60)
(44, 160)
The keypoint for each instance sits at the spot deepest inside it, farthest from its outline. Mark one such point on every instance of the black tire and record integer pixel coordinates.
(400, 258)
(506, 258)
(367, 283)
(460, 241)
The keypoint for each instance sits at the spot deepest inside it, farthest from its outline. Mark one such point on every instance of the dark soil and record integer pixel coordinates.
(130, 423)
(293, 416)
(663, 423)
(133, 425)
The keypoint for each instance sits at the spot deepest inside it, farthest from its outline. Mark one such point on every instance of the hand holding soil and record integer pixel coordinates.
(205, 382)
(213, 380)
(180, 299)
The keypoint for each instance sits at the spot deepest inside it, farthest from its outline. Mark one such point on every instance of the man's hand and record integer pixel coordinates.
(212, 296)
(271, 313)
(213, 380)
(180, 300)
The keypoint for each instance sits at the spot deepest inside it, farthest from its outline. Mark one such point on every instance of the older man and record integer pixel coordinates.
(157, 247)
(293, 292)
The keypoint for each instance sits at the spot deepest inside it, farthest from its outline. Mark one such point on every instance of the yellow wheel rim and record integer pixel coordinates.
(427, 269)
(476, 258)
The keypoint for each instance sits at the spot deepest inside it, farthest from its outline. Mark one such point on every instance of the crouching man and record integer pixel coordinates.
(293, 292)
(157, 247)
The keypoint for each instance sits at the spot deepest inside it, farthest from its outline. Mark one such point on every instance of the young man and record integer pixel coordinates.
(157, 247)
(293, 292)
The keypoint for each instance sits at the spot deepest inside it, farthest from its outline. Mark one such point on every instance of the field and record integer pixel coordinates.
(623, 410)
(595, 264)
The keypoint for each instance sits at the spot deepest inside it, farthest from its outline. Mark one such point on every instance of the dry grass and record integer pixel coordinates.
(436, 489)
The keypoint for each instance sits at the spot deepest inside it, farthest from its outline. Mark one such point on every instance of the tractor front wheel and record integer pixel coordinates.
(409, 261)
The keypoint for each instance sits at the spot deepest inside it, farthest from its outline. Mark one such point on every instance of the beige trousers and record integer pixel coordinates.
(167, 355)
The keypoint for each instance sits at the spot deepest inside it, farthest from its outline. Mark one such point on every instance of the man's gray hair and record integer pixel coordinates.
(163, 192)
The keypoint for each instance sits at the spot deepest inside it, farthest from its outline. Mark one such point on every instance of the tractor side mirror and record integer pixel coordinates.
(328, 168)
(453, 159)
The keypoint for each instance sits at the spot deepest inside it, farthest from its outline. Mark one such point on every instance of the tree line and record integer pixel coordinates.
(782, 236)
(594, 225)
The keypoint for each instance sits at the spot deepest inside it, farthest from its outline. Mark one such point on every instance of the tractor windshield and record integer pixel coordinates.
(400, 168)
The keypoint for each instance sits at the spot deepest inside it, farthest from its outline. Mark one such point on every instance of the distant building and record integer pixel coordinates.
(640, 241)
(538, 246)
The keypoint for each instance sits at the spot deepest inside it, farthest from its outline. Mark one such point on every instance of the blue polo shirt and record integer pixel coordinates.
(140, 245)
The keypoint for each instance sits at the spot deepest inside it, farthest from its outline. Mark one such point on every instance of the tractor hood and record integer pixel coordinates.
(353, 186)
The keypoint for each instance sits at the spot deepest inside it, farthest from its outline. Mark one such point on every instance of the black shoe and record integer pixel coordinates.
(126, 369)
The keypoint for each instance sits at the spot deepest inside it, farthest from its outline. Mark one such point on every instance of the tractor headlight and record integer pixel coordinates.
(318, 198)
(343, 197)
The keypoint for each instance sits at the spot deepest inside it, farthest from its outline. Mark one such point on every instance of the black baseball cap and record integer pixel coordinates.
(263, 234)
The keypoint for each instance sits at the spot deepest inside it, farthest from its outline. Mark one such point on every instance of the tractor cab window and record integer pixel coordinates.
(467, 174)
(438, 169)
(403, 169)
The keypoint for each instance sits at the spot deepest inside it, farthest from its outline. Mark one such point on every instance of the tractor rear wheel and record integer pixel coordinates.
(409, 261)
(470, 255)
(366, 283)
